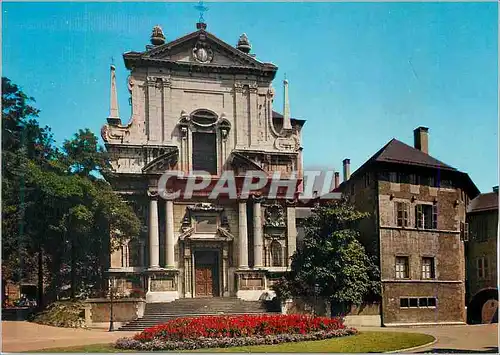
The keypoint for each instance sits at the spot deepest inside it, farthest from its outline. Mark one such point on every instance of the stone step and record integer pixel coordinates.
(158, 313)
(195, 305)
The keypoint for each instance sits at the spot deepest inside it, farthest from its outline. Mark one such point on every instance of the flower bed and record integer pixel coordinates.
(226, 331)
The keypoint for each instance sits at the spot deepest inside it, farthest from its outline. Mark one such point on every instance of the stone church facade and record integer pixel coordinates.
(199, 103)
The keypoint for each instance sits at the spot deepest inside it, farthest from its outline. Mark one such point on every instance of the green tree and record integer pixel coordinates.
(57, 209)
(84, 155)
(332, 264)
(23, 140)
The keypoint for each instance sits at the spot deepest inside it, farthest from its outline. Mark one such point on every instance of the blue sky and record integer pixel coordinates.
(360, 74)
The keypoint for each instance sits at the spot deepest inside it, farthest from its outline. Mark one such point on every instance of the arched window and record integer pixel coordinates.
(276, 254)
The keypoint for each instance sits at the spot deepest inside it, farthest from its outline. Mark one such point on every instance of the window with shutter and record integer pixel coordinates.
(401, 214)
(434, 216)
(426, 216)
(419, 216)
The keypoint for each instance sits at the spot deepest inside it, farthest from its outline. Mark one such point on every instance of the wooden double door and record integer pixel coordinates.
(206, 273)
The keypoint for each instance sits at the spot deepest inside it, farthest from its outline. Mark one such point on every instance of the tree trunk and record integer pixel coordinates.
(73, 270)
(40, 301)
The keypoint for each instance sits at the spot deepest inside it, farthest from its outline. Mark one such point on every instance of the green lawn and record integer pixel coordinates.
(364, 342)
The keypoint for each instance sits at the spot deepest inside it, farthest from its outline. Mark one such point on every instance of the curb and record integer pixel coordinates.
(413, 348)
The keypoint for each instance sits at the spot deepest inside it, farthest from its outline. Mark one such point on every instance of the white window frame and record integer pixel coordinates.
(404, 208)
(402, 269)
(483, 268)
(428, 270)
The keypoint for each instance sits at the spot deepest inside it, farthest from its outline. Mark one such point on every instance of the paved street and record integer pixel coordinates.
(25, 336)
(456, 339)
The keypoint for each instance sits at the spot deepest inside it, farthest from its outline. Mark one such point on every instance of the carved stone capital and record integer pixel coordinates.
(253, 87)
(184, 132)
(130, 84)
(238, 86)
(256, 198)
(153, 194)
(270, 92)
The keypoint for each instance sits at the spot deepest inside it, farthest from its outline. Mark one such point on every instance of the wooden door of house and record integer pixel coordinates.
(204, 281)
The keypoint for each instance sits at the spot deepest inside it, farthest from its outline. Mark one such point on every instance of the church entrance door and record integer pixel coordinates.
(206, 272)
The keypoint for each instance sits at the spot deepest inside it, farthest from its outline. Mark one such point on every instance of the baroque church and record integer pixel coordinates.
(201, 104)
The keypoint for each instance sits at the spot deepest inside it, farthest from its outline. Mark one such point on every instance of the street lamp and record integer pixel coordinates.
(111, 283)
(316, 291)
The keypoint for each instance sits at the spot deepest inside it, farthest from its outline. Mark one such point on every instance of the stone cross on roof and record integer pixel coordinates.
(202, 9)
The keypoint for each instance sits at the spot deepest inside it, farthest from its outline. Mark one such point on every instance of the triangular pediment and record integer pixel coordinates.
(203, 48)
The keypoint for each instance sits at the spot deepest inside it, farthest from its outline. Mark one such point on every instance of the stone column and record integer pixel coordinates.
(154, 234)
(169, 231)
(243, 235)
(257, 234)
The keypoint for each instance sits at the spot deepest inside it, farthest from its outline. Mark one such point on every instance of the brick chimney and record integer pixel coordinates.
(337, 179)
(347, 169)
(421, 139)
(495, 189)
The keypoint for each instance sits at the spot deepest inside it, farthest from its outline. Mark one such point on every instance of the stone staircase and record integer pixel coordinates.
(158, 313)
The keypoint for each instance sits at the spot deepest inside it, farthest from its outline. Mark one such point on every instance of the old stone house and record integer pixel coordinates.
(481, 257)
(417, 207)
(199, 103)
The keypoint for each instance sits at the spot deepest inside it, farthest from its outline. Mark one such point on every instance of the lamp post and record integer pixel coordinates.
(316, 291)
(111, 325)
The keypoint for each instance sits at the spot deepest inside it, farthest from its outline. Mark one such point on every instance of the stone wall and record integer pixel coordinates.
(450, 307)
(316, 306)
(97, 311)
(481, 244)
(365, 200)
(443, 244)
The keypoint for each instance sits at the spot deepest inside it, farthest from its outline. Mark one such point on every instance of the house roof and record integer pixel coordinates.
(296, 120)
(397, 152)
(484, 202)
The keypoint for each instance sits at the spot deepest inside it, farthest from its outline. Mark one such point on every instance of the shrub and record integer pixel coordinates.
(238, 326)
(137, 293)
(65, 314)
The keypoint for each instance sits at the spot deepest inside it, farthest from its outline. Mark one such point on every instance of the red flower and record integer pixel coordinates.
(237, 326)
